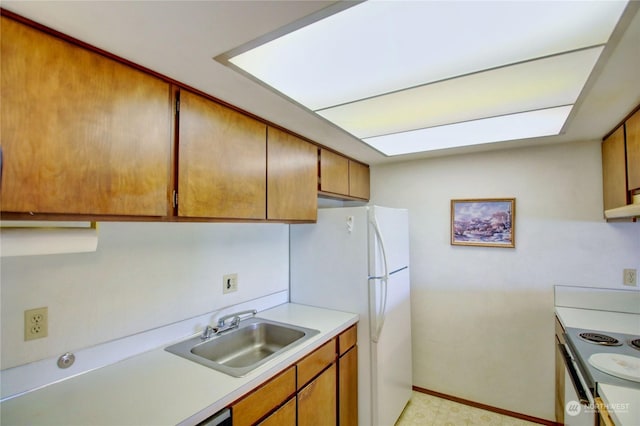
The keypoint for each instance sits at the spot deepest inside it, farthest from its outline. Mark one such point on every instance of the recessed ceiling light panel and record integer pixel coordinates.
(419, 68)
(525, 125)
(382, 46)
(527, 86)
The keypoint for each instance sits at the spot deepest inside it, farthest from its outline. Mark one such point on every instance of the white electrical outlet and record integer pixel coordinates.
(229, 283)
(36, 323)
(630, 277)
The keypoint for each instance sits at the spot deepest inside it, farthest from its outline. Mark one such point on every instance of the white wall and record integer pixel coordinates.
(143, 275)
(483, 325)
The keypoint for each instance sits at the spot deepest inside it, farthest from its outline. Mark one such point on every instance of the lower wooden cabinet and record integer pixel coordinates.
(560, 374)
(604, 419)
(348, 388)
(321, 389)
(283, 416)
(262, 401)
(317, 400)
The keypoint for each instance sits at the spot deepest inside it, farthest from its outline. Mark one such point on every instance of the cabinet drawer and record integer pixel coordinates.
(283, 416)
(314, 363)
(261, 401)
(347, 339)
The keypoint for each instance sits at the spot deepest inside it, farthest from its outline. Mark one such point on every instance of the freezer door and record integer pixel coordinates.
(393, 225)
(391, 360)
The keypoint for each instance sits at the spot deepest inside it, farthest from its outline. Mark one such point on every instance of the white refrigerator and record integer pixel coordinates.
(356, 259)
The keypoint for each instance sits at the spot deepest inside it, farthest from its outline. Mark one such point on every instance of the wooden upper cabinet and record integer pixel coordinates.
(341, 176)
(358, 180)
(633, 151)
(292, 176)
(81, 133)
(614, 177)
(334, 173)
(222, 161)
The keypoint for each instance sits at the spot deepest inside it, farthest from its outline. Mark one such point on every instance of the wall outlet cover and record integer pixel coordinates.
(630, 277)
(229, 283)
(36, 323)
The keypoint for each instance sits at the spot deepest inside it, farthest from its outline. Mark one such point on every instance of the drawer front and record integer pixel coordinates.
(314, 363)
(347, 339)
(260, 402)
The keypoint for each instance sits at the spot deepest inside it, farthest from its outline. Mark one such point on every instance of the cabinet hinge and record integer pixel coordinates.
(177, 105)
(175, 199)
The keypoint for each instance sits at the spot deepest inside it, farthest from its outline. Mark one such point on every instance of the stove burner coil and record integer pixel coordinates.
(635, 343)
(600, 339)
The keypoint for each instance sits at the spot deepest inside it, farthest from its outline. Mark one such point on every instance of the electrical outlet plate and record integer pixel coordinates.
(36, 323)
(229, 283)
(630, 277)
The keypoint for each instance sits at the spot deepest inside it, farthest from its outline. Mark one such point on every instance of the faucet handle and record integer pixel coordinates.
(208, 332)
(236, 317)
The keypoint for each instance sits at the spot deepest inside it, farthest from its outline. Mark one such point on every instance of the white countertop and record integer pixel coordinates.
(160, 388)
(622, 403)
(591, 319)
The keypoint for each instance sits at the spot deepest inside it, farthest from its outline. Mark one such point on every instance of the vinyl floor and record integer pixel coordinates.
(428, 410)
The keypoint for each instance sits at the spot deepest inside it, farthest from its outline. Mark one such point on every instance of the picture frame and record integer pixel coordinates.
(486, 222)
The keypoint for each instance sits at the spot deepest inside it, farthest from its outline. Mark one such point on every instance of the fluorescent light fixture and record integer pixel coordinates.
(527, 86)
(523, 125)
(382, 67)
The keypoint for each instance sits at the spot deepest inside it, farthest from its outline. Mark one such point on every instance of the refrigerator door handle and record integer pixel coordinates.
(380, 314)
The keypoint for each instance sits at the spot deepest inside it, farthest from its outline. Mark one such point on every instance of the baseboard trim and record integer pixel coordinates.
(486, 407)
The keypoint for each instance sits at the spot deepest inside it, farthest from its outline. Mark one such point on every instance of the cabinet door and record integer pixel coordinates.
(317, 361)
(222, 161)
(262, 401)
(81, 133)
(633, 151)
(317, 400)
(560, 373)
(614, 177)
(348, 388)
(358, 180)
(292, 176)
(283, 416)
(334, 173)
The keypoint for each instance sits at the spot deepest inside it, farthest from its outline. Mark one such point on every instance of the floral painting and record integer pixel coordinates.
(483, 222)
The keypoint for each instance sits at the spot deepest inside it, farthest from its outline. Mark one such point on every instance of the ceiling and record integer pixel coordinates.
(180, 39)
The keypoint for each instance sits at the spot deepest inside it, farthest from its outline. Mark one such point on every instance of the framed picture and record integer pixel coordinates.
(486, 222)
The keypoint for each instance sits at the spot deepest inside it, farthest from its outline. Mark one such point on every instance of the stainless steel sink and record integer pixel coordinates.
(241, 350)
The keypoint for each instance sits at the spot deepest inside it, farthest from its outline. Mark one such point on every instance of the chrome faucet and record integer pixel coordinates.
(223, 326)
(235, 318)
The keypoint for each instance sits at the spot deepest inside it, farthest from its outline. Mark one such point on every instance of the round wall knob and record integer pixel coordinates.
(66, 360)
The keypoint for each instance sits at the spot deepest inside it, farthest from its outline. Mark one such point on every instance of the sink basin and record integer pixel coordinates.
(241, 350)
